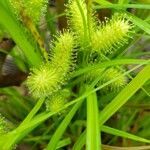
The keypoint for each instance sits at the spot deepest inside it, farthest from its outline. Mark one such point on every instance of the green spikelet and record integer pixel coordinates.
(34, 9)
(57, 100)
(110, 74)
(49, 78)
(112, 35)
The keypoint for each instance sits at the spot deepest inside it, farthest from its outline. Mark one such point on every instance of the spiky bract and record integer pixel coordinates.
(112, 35)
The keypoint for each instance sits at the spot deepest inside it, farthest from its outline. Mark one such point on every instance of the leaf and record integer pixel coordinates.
(125, 94)
(93, 131)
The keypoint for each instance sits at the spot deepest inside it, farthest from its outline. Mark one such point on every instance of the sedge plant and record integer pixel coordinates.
(79, 67)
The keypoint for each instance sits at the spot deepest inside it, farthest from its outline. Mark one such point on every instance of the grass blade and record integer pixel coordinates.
(93, 132)
(125, 94)
(62, 127)
(123, 134)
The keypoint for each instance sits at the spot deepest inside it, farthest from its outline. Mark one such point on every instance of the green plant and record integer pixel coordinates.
(83, 62)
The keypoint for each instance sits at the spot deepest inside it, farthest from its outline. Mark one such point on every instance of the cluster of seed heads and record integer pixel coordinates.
(86, 34)
(104, 38)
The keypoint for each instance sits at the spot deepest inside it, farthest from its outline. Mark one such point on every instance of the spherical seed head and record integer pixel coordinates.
(43, 81)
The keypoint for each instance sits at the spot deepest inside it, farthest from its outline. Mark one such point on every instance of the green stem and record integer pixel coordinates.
(34, 111)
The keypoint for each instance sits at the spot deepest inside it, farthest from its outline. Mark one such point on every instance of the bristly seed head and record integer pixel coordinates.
(43, 81)
(78, 22)
(49, 78)
(56, 101)
(29, 8)
(112, 35)
(110, 74)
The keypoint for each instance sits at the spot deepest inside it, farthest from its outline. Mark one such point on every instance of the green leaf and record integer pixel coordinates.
(109, 64)
(62, 127)
(123, 134)
(93, 131)
(145, 26)
(125, 94)
(123, 6)
(121, 99)
(19, 36)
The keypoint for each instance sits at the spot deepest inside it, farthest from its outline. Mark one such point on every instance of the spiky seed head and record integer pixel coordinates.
(77, 20)
(63, 53)
(34, 9)
(112, 35)
(110, 74)
(43, 81)
(92, 75)
(48, 78)
(56, 101)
